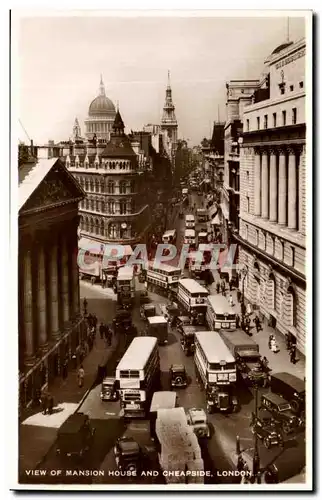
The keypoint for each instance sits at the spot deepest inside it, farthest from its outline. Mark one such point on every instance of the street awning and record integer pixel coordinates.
(224, 211)
(215, 221)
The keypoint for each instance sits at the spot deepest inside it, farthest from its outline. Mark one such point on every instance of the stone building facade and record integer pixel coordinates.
(114, 210)
(272, 235)
(51, 328)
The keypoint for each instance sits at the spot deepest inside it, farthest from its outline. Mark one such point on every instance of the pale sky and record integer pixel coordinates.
(61, 59)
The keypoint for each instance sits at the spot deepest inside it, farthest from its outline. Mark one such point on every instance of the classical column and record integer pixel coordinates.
(292, 191)
(27, 307)
(257, 183)
(264, 186)
(41, 297)
(74, 271)
(64, 280)
(273, 187)
(53, 288)
(282, 189)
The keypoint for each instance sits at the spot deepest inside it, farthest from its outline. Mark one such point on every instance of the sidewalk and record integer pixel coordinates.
(37, 432)
(107, 291)
(279, 362)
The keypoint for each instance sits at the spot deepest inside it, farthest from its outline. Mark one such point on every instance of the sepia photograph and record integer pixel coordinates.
(162, 206)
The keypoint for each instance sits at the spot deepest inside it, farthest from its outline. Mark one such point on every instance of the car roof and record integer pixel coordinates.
(188, 329)
(296, 383)
(275, 398)
(177, 367)
(197, 412)
(73, 423)
(183, 318)
(108, 380)
(128, 444)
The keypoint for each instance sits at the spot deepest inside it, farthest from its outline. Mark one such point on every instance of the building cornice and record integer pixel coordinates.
(272, 102)
(276, 264)
(274, 229)
(288, 134)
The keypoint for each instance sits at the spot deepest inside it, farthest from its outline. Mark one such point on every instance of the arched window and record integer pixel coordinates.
(132, 186)
(272, 291)
(91, 226)
(102, 186)
(111, 207)
(291, 300)
(102, 206)
(102, 227)
(97, 226)
(86, 185)
(110, 187)
(97, 186)
(112, 231)
(123, 187)
(91, 185)
(123, 205)
(97, 205)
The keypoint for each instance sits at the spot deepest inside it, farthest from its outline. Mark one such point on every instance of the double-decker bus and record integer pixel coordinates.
(216, 371)
(169, 236)
(190, 221)
(125, 283)
(192, 296)
(138, 376)
(220, 315)
(163, 278)
(197, 263)
(202, 215)
(190, 237)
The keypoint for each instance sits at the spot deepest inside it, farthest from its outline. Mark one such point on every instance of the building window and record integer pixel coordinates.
(110, 187)
(122, 207)
(257, 237)
(264, 241)
(273, 246)
(301, 85)
(294, 116)
(111, 207)
(272, 288)
(247, 176)
(282, 251)
(102, 227)
(112, 233)
(265, 121)
(292, 256)
(247, 125)
(274, 120)
(247, 204)
(284, 117)
(258, 123)
(123, 187)
(291, 88)
(292, 305)
(246, 232)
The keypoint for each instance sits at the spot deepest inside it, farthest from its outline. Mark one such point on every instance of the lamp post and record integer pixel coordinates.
(257, 376)
(243, 273)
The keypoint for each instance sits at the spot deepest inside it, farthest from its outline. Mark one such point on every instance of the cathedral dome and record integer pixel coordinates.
(101, 105)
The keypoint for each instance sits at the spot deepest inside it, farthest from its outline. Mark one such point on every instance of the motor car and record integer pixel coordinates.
(178, 376)
(147, 311)
(181, 322)
(144, 297)
(75, 437)
(266, 429)
(281, 411)
(291, 388)
(128, 454)
(197, 418)
(187, 340)
(123, 322)
(108, 389)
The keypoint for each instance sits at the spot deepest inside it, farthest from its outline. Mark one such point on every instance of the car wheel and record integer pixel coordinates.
(286, 427)
(178, 380)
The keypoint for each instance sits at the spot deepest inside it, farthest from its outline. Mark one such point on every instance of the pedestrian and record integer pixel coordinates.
(65, 369)
(85, 305)
(230, 284)
(239, 295)
(293, 354)
(237, 321)
(288, 341)
(264, 362)
(74, 360)
(218, 287)
(102, 330)
(81, 376)
(231, 302)
(93, 280)
(249, 308)
(243, 309)
(50, 404)
(104, 280)
(223, 287)
(257, 323)
(44, 403)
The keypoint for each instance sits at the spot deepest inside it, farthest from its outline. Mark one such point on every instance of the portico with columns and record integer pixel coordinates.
(50, 323)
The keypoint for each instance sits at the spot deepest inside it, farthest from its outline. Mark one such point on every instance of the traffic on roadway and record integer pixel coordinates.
(238, 431)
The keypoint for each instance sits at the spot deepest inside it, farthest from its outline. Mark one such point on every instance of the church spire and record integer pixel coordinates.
(102, 87)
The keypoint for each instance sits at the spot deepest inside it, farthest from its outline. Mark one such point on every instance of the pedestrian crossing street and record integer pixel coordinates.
(56, 419)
